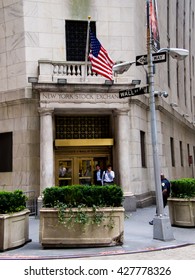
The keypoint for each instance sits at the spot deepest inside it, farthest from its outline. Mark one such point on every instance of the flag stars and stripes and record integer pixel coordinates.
(101, 62)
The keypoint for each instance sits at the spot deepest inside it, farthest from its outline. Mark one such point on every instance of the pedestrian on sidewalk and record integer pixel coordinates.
(166, 188)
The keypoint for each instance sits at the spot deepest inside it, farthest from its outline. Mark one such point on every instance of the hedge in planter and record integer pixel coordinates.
(183, 188)
(182, 202)
(11, 202)
(82, 216)
(104, 196)
(14, 220)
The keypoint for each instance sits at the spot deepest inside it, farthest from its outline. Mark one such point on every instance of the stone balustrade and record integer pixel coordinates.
(73, 72)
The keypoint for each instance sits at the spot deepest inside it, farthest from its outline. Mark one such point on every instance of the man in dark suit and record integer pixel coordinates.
(98, 176)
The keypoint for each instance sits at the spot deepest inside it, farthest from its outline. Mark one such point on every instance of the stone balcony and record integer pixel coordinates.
(73, 72)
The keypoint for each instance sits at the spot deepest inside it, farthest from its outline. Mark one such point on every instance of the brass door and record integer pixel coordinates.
(78, 170)
(85, 171)
(64, 172)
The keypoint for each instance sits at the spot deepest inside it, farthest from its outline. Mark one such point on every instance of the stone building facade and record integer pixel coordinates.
(60, 118)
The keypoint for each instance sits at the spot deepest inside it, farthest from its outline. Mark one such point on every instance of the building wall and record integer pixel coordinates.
(35, 30)
(21, 118)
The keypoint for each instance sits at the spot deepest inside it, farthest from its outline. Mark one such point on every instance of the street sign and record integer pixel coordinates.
(156, 58)
(132, 92)
(141, 60)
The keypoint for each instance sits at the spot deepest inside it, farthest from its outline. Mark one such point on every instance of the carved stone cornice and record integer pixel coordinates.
(80, 88)
(45, 111)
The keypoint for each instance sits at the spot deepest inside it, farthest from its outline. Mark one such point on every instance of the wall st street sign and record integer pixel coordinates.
(132, 92)
(156, 58)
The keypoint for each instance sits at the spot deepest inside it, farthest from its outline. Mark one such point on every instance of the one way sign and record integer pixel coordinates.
(156, 58)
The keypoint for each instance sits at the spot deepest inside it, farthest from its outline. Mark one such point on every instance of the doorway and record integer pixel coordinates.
(78, 169)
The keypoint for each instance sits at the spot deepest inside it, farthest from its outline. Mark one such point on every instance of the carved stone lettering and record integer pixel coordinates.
(71, 97)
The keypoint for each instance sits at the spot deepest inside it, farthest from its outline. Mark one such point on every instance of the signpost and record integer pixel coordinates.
(140, 61)
(132, 92)
(156, 58)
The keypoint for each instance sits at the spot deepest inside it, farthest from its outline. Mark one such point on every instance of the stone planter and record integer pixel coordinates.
(14, 229)
(54, 234)
(182, 212)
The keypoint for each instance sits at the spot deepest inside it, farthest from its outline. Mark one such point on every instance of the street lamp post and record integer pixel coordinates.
(161, 223)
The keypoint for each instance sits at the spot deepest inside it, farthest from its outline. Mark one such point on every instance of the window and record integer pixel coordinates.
(76, 36)
(6, 152)
(181, 152)
(194, 154)
(143, 148)
(82, 127)
(188, 151)
(172, 151)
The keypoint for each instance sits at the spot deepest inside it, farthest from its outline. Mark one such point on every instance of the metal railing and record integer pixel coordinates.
(31, 202)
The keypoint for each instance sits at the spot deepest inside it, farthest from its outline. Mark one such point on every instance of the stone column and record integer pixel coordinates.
(46, 151)
(123, 149)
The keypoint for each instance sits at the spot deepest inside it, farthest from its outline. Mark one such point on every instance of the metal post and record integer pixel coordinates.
(86, 50)
(161, 224)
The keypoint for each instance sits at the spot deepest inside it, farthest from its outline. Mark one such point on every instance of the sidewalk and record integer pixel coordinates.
(138, 238)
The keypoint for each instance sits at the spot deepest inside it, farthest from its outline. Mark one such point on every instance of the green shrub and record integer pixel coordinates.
(183, 188)
(77, 195)
(11, 202)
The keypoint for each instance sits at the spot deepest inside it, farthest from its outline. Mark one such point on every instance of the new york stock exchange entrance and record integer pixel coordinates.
(75, 165)
(78, 142)
(81, 143)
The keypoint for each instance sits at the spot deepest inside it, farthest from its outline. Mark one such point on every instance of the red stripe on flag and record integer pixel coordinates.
(102, 63)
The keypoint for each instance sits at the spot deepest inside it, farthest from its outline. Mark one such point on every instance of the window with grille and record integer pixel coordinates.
(6, 146)
(82, 127)
(76, 36)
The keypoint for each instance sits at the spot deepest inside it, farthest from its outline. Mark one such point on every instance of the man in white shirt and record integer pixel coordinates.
(108, 176)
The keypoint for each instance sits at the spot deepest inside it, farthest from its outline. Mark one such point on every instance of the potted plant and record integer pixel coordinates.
(82, 216)
(14, 220)
(182, 202)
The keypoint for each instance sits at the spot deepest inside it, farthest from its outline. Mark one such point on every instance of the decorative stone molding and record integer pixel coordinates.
(45, 111)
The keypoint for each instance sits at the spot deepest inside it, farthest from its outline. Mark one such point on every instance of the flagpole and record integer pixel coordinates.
(87, 50)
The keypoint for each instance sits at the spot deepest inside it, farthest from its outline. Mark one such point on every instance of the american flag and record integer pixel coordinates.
(100, 60)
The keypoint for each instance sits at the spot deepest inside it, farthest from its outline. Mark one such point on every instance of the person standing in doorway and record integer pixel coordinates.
(98, 176)
(108, 176)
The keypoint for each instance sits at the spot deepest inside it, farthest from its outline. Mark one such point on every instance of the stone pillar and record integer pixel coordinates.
(46, 151)
(123, 149)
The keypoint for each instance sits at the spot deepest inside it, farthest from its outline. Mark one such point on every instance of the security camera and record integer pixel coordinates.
(165, 94)
(161, 94)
